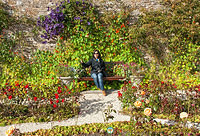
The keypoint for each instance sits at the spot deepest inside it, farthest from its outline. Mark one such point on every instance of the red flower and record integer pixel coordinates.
(199, 90)
(5, 93)
(9, 89)
(25, 91)
(56, 95)
(122, 25)
(63, 100)
(119, 94)
(174, 86)
(162, 82)
(66, 87)
(69, 92)
(10, 97)
(59, 91)
(85, 84)
(133, 87)
(193, 22)
(142, 100)
(51, 102)
(26, 86)
(57, 101)
(6, 84)
(17, 84)
(52, 78)
(117, 31)
(129, 81)
(35, 98)
(61, 37)
(54, 105)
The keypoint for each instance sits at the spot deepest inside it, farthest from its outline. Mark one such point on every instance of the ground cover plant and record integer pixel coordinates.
(30, 87)
(120, 128)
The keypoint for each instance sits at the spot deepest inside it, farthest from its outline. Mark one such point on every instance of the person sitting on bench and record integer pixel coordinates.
(98, 70)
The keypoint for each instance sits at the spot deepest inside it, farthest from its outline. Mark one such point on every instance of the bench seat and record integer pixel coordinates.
(104, 78)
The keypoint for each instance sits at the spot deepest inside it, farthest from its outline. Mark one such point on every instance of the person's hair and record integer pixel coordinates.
(98, 52)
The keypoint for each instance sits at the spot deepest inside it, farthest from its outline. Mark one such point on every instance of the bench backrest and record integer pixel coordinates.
(112, 69)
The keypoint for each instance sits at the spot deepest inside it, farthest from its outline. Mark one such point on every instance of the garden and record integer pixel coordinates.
(31, 91)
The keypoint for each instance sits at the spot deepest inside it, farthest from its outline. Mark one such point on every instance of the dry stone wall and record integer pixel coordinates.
(34, 8)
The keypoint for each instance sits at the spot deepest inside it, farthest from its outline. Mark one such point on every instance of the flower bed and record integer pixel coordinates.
(120, 128)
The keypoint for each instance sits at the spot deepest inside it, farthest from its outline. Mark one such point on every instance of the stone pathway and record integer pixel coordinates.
(92, 105)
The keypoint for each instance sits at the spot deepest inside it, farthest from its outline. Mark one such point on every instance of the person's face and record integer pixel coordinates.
(96, 54)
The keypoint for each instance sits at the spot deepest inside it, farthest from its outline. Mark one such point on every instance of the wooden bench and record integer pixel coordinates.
(111, 70)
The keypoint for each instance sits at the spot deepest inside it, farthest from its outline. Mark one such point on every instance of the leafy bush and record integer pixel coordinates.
(159, 31)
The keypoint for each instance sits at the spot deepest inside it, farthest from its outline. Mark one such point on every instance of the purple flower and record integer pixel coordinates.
(38, 23)
(83, 13)
(88, 23)
(68, 1)
(77, 18)
(57, 9)
(52, 23)
(44, 42)
(81, 29)
(77, 2)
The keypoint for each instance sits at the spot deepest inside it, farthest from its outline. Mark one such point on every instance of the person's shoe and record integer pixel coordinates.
(104, 92)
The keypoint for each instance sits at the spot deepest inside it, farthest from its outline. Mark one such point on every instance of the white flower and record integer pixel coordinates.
(183, 115)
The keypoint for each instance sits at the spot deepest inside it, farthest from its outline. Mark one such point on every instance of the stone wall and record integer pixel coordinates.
(34, 8)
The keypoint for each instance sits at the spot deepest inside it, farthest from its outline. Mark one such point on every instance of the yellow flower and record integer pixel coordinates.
(138, 104)
(147, 111)
(142, 92)
(183, 115)
(147, 101)
(10, 131)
